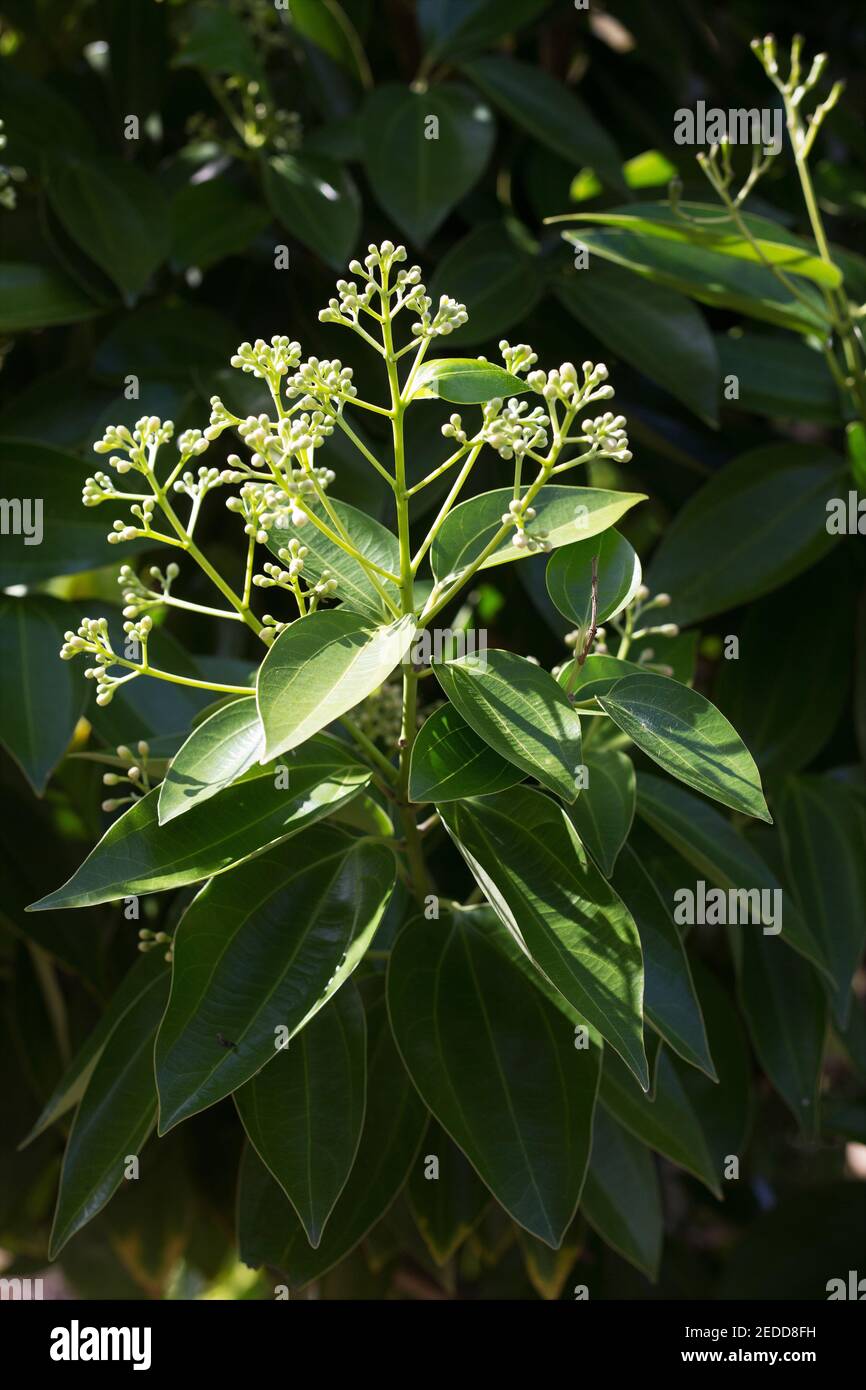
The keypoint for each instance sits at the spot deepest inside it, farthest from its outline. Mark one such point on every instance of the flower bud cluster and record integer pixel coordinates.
(512, 429)
(137, 596)
(563, 385)
(135, 775)
(268, 361)
(607, 434)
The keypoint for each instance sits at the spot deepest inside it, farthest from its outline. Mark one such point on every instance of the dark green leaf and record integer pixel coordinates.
(497, 281)
(317, 201)
(621, 1196)
(776, 376)
(550, 112)
(37, 296)
(212, 220)
(269, 1231)
(751, 528)
(570, 577)
(256, 955)
(115, 1116)
(115, 213)
(425, 151)
(527, 858)
(604, 811)
(41, 698)
(447, 1199)
(455, 26)
(137, 855)
(219, 41)
(498, 1068)
(304, 1112)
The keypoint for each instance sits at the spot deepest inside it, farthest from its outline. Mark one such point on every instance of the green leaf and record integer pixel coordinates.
(526, 857)
(723, 1109)
(520, 712)
(595, 677)
(41, 698)
(759, 522)
(711, 844)
(822, 825)
(137, 855)
(256, 955)
(566, 513)
(546, 1269)
(496, 279)
(137, 983)
(687, 736)
(70, 537)
(450, 761)
(569, 577)
(785, 1010)
(217, 753)
(369, 537)
(777, 376)
(37, 296)
(213, 220)
(498, 1068)
(716, 232)
(304, 1112)
(754, 690)
(549, 111)
(654, 329)
(670, 1002)
(621, 1197)
(114, 1119)
(269, 1231)
(454, 26)
(465, 381)
(603, 813)
(322, 666)
(219, 42)
(37, 119)
(448, 1200)
(720, 281)
(316, 200)
(115, 213)
(328, 27)
(665, 1119)
(419, 170)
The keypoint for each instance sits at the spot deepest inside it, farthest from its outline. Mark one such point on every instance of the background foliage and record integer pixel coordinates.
(150, 259)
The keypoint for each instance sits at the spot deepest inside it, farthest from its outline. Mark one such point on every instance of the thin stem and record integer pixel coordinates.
(446, 507)
(369, 748)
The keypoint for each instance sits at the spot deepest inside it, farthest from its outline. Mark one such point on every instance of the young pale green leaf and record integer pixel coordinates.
(709, 842)
(115, 1116)
(756, 524)
(621, 1196)
(527, 858)
(317, 201)
(604, 811)
(465, 381)
(549, 111)
(665, 1119)
(217, 753)
(424, 151)
(137, 855)
(520, 712)
(256, 955)
(569, 577)
(785, 1009)
(447, 1199)
(321, 667)
(304, 1112)
(654, 329)
(822, 825)
(369, 537)
(713, 230)
(450, 761)
(115, 212)
(269, 1231)
(498, 1067)
(706, 276)
(41, 699)
(150, 967)
(566, 514)
(687, 736)
(670, 1001)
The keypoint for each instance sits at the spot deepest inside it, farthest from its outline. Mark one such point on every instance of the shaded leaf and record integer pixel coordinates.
(450, 761)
